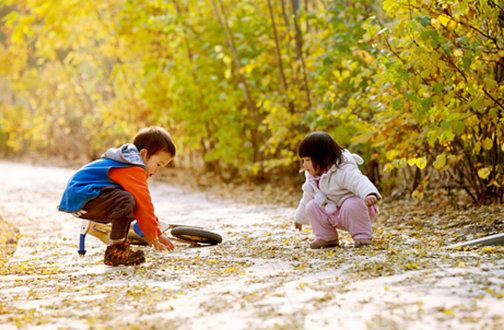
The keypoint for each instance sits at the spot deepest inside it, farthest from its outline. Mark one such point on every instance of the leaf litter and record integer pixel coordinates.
(263, 275)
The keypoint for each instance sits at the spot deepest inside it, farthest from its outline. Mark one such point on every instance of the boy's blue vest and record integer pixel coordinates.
(86, 184)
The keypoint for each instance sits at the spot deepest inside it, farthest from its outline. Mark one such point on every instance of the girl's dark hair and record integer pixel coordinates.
(322, 149)
(155, 139)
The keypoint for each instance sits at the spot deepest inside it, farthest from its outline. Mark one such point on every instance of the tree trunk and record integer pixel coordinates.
(299, 49)
(251, 104)
(279, 57)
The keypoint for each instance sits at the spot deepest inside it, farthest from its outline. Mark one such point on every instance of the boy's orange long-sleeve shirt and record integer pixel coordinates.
(134, 180)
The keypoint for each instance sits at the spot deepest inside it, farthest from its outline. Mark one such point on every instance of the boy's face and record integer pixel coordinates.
(308, 166)
(155, 162)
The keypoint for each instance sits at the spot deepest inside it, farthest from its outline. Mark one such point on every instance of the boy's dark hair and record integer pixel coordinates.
(322, 149)
(155, 139)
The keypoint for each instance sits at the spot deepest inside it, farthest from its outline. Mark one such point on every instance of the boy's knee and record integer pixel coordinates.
(124, 197)
(130, 199)
(126, 204)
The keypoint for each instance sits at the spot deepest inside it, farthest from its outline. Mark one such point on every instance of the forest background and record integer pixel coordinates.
(415, 87)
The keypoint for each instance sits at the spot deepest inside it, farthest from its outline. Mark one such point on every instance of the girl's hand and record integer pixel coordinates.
(298, 226)
(371, 200)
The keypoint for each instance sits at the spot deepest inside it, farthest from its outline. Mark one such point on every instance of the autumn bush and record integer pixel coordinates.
(440, 94)
(413, 86)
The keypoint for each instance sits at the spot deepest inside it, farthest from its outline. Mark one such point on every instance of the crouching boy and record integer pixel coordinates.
(114, 190)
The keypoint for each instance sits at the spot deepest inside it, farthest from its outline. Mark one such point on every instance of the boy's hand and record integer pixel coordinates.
(298, 226)
(371, 200)
(157, 245)
(161, 244)
(166, 242)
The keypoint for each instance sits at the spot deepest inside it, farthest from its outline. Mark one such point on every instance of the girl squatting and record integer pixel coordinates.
(336, 195)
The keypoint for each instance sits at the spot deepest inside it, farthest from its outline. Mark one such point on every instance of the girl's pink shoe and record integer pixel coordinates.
(321, 244)
(362, 241)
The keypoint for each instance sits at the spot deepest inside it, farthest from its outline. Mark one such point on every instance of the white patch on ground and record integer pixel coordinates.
(262, 276)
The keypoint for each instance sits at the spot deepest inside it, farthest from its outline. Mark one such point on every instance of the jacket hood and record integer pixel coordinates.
(351, 158)
(347, 158)
(127, 153)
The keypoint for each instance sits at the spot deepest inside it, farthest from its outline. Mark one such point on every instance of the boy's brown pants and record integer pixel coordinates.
(115, 206)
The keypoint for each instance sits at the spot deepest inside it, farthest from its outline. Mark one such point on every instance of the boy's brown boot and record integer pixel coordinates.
(321, 244)
(120, 253)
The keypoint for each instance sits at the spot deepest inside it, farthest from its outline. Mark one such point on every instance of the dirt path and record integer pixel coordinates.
(263, 276)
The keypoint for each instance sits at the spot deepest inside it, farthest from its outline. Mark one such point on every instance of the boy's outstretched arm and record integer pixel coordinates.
(134, 181)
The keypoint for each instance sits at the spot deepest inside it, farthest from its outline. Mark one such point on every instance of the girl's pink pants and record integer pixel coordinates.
(352, 216)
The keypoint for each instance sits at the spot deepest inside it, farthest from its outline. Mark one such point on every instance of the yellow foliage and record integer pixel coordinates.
(477, 147)
(392, 154)
(440, 161)
(483, 173)
(421, 163)
(487, 144)
(472, 121)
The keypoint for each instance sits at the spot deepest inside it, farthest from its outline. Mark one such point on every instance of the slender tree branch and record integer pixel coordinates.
(493, 99)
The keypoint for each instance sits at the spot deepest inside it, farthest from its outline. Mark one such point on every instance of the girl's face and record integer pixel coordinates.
(310, 167)
(155, 162)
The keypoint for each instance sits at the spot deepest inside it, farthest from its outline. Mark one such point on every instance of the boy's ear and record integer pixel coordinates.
(143, 152)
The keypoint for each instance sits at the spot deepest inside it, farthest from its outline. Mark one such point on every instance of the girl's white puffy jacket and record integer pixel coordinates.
(336, 185)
